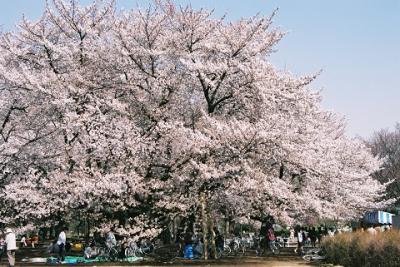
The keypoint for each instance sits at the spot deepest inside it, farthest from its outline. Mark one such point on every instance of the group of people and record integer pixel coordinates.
(192, 245)
(8, 244)
(26, 241)
(187, 241)
(267, 238)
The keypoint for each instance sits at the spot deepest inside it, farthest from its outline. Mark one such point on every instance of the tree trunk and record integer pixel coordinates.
(213, 246)
(204, 223)
(227, 225)
(87, 228)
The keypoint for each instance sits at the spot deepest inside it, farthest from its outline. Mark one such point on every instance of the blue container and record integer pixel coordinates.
(188, 251)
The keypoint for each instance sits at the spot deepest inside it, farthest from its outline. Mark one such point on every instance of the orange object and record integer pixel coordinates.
(77, 247)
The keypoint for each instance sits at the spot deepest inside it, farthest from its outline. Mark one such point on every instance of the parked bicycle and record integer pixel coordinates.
(135, 250)
(237, 246)
(314, 254)
(225, 251)
(108, 253)
(262, 245)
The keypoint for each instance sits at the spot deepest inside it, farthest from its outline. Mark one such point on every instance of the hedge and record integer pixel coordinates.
(362, 249)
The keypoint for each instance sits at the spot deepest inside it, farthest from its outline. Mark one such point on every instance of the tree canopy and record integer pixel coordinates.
(129, 116)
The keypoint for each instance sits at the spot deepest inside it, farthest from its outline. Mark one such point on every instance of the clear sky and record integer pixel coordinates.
(356, 43)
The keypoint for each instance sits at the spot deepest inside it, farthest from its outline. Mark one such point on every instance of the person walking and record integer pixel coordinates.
(2, 245)
(62, 240)
(11, 246)
(300, 241)
(219, 241)
(313, 236)
(271, 240)
(23, 242)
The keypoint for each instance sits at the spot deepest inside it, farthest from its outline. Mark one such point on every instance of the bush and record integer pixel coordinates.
(361, 249)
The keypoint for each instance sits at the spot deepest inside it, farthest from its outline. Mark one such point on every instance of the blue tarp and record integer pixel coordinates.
(75, 260)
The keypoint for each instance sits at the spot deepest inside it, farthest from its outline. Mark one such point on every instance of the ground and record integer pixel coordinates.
(287, 258)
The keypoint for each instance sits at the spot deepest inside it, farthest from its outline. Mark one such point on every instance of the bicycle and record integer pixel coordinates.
(237, 246)
(225, 251)
(133, 250)
(108, 253)
(314, 254)
(263, 244)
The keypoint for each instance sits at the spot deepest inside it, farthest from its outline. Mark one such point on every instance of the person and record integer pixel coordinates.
(90, 251)
(53, 248)
(291, 236)
(219, 240)
(271, 239)
(23, 242)
(331, 232)
(372, 231)
(111, 241)
(61, 242)
(300, 241)
(313, 236)
(262, 239)
(34, 240)
(2, 245)
(97, 238)
(198, 247)
(41, 234)
(188, 248)
(11, 246)
(319, 234)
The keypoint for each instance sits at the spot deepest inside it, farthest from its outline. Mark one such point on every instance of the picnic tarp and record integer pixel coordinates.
(76, 259)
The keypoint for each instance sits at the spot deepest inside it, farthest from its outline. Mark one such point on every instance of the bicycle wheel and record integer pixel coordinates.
(238, 249)
(129, 252)
(307, 258)
(139, 252)
(102, 252)
(260, 250)
(227, 250)
(113, 254)
(146, 249)
(242, 249)
(276, 249)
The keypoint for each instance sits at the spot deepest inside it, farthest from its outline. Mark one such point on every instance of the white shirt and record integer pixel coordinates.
(62, 238)
(111, 241)
(11, 242)
(23, 241)
(371, 230)
(300, 236)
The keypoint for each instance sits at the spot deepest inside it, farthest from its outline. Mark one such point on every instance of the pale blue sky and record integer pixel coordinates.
(356, 43)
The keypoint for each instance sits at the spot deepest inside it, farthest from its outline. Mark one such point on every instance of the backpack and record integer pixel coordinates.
(270, 235)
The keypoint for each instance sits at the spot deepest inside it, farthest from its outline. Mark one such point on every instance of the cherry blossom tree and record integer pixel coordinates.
(385, 144)
(129, 117)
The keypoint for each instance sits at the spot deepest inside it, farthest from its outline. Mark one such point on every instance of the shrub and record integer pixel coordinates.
(361, 249)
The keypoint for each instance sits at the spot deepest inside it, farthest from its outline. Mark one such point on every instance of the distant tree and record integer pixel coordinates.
(385, 144)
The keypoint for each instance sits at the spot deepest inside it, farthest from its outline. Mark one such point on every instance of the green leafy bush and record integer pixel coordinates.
(361, 249)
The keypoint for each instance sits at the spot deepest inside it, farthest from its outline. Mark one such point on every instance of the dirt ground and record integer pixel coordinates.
(243, 262)
(286, 259)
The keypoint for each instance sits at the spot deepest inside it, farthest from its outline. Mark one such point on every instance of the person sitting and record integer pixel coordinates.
(34, 240)
(198, 248)
(111, 241)
(90, 251)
